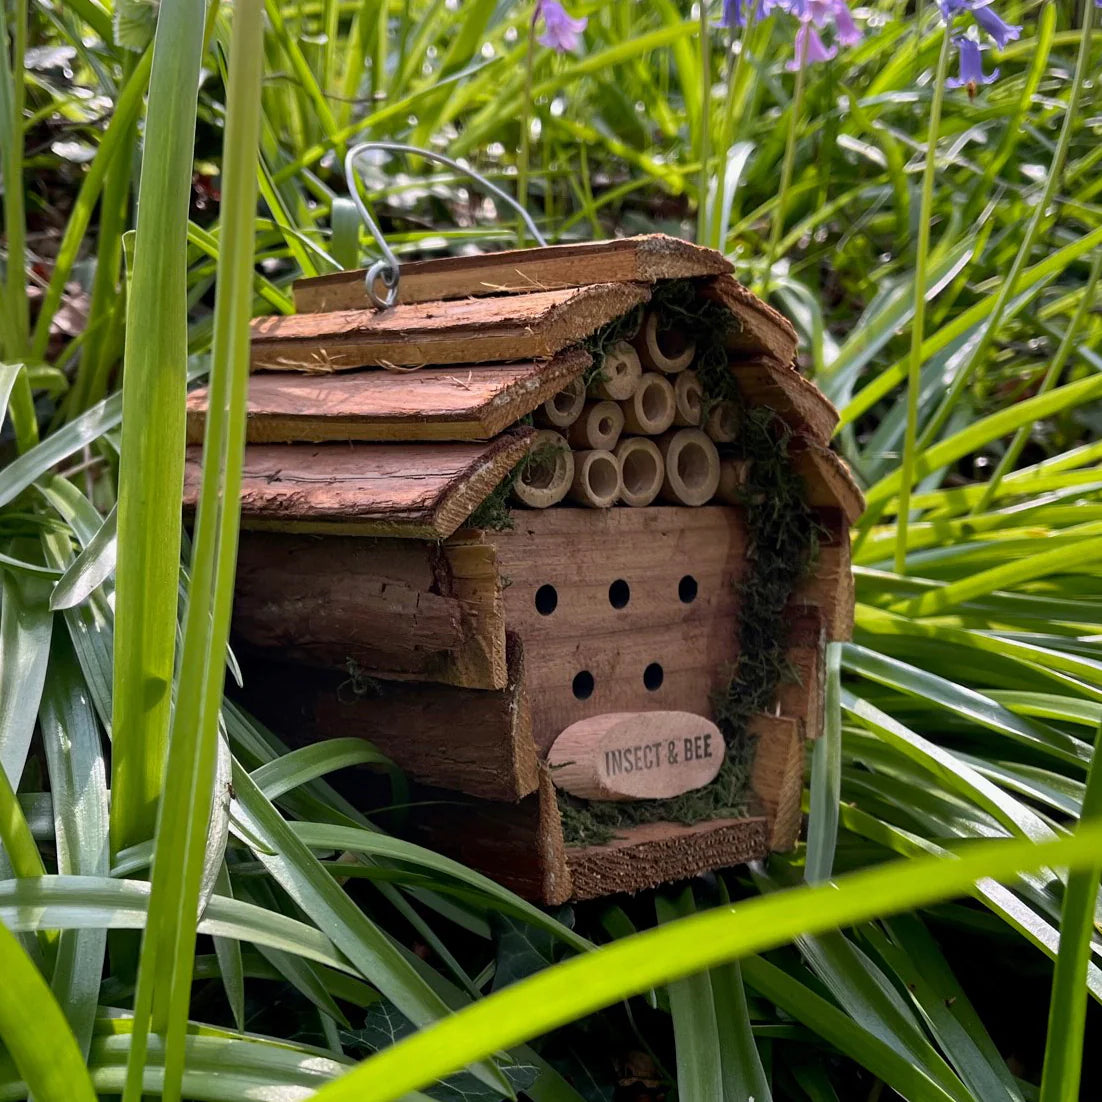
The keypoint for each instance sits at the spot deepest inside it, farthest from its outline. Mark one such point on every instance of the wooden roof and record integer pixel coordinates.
(436, 403)
(521, 271)
(440, 373)
(416, 490)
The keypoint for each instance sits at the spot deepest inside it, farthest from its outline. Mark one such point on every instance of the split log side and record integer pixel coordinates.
(669, 351)
(804, 408)
(830, 586)
(761, 330)
(519, 845)
(777, 775)
(472, 331)
(411, 490)
(389, 606)
(692, 467)
(476, 582)
(641, 259)
(802, 690)
(653, 854)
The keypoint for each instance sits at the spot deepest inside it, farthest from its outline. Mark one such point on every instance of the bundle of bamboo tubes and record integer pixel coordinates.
(637, 434)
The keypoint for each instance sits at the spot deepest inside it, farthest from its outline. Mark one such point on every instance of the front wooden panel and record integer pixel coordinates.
(593, 559)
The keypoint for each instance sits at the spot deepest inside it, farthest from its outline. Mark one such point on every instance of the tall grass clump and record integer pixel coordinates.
(191, 910)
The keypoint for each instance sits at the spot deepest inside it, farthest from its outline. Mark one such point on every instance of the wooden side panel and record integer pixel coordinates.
(612, 594)
(801, 692)
(632, 259)
(412, 490)
(436, 403)
(393, 608)
(471, 331)
(474, 741)
(781, 388)
(762, 330)
(656, 853)
(830, 587)
(778, 773)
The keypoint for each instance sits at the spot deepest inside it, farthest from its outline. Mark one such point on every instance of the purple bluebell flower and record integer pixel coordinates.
(1001, 31)
(971, 65)
(809, 48)
(845, 30)
(560, 31)
(735, 11)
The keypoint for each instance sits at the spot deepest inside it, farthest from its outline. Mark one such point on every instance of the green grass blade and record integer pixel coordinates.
(35, 1032)
(826, 777)
(1068, 1006)
(583, 984)
(90, 569)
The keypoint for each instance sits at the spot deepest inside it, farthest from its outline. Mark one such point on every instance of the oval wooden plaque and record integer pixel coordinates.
(636, 755)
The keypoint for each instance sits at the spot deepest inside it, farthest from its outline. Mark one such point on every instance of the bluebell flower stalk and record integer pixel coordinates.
(561, 31)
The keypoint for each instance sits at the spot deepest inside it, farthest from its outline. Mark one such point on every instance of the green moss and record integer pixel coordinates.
(783, 540)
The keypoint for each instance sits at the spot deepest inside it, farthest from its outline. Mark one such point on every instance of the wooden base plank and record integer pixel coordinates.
(394, 608)
(438, 403)
(413, 490)
(474, 741)
(802, 405)
(630, 260)
(656, 853)
(471, 331)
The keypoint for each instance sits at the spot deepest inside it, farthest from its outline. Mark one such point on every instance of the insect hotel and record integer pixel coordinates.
(560, 533)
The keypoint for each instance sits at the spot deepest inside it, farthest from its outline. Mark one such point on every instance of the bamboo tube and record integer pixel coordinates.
(598, 427)
(721, 424)
(564, 408)
(545, 479)
(620, 372)
(666, 350)
(641, 470)
(692, 467)
(596, 479)
(732, 480)
(651, 409)
(688, 398)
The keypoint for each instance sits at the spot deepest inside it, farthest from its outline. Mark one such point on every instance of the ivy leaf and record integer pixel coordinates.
(522, 949)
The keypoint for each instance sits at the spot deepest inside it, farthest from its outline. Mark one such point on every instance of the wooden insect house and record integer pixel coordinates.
(561, 534)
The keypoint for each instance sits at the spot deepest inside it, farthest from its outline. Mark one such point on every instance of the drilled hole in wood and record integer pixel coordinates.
(547, 600)
(619, 593)
(583, 685)
(653, 676)
(606, 426)
(687, 589)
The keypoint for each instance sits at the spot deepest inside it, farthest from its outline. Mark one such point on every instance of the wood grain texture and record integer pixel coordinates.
(474, 741)
(762, 331)
(777, 775)
(798, 400)
(656, 853)
(631, 260)
(413, 490)
(437, 403)
(827, 480)
(469, 331)
(392, 608)
(583, 554)
(636, 755)
(830, 586)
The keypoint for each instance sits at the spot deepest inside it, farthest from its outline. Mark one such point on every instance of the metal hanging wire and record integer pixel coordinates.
(387, 270)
